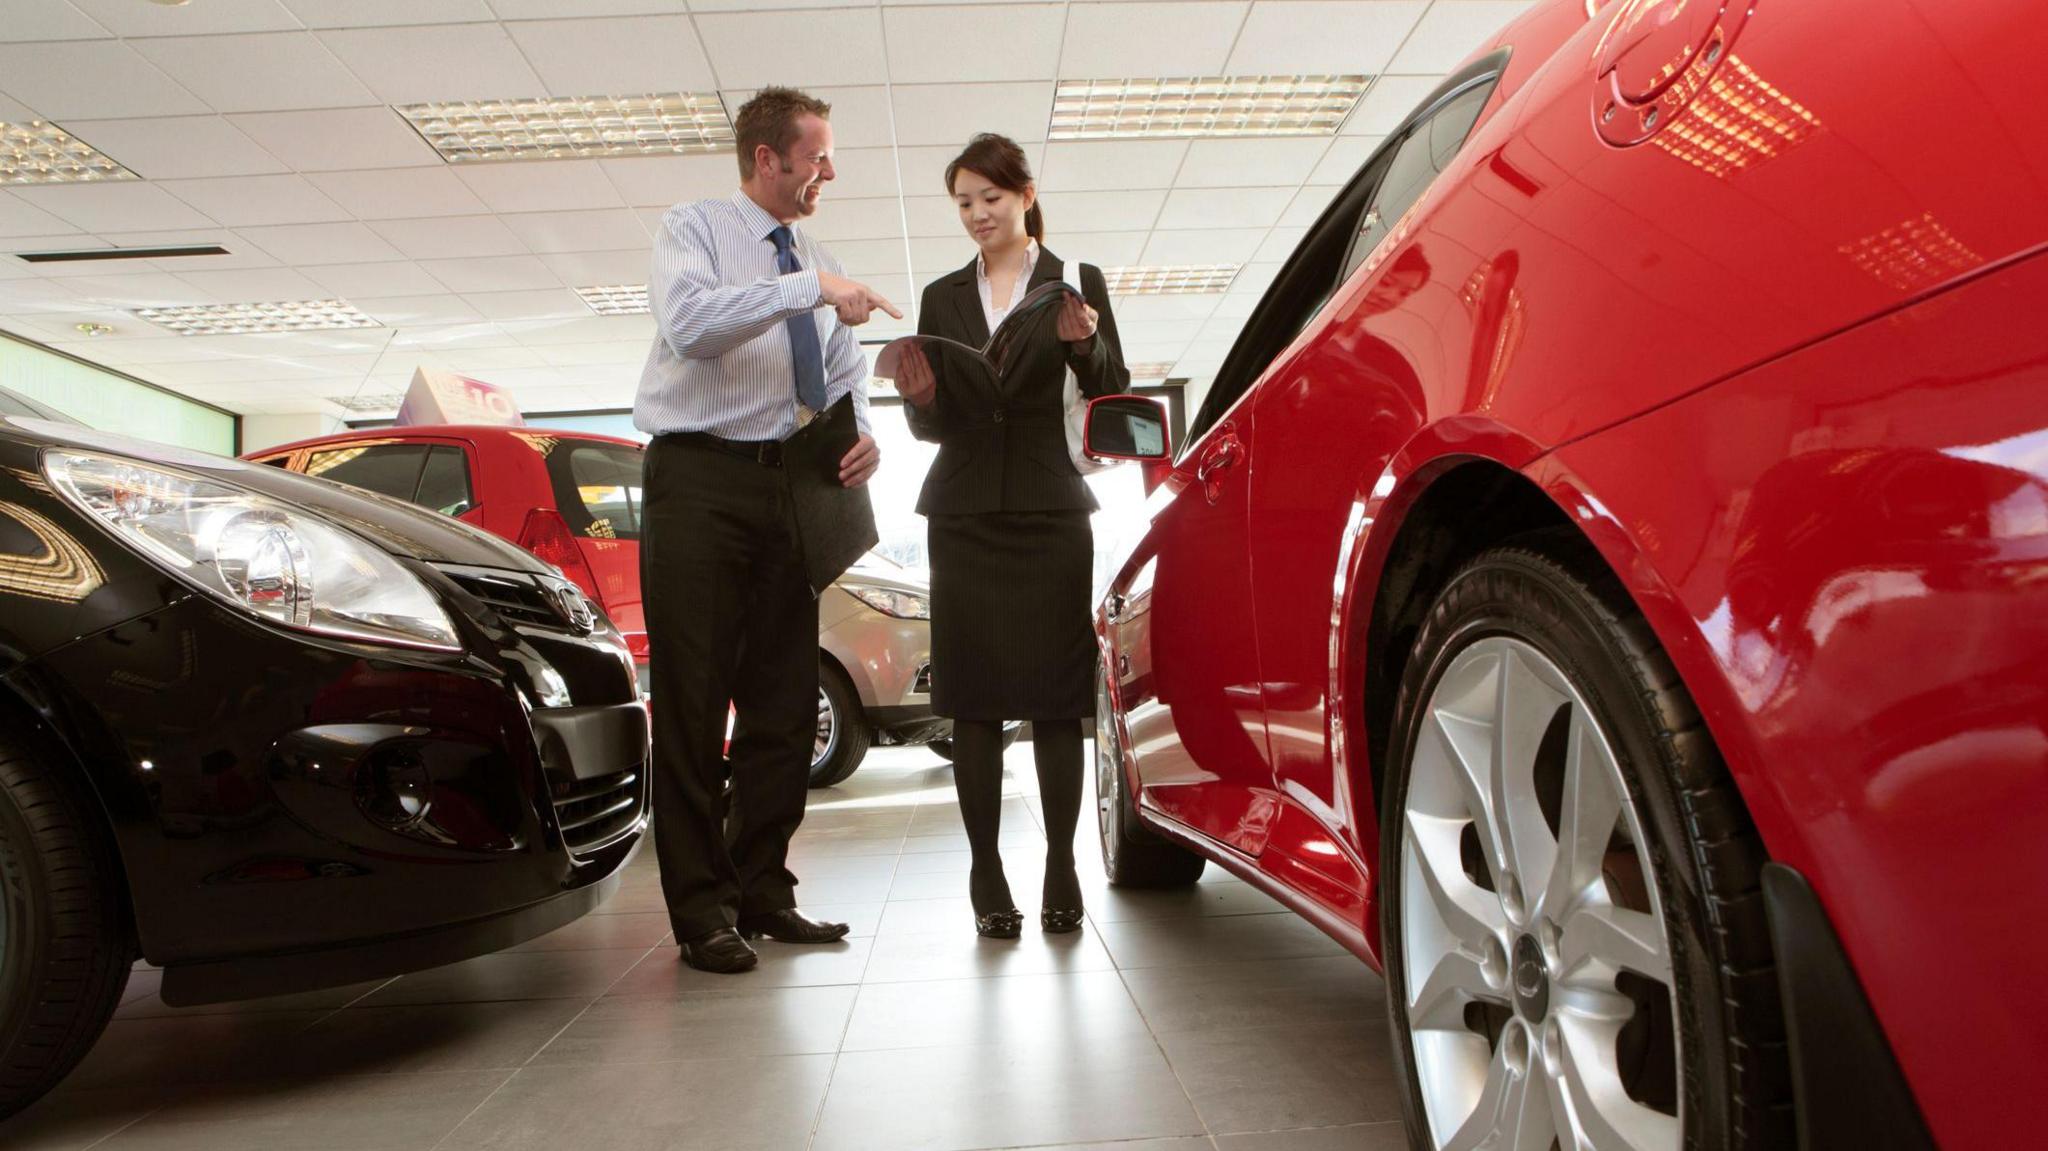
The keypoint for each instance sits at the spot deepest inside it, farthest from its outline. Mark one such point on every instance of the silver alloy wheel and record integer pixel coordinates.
(828, 729)
(1108, 774)
(1536, 926)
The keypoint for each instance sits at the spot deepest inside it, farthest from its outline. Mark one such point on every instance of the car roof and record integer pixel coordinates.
(445, 431)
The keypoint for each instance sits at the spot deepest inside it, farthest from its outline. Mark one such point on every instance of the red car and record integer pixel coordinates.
(1606, 586)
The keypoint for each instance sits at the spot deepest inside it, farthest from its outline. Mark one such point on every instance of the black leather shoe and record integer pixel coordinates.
(721, 951)
(1000, 924)
(791, 926)
(1059, 921)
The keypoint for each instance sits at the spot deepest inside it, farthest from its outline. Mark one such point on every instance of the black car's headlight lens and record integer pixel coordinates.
(277, 562)
(890, 602)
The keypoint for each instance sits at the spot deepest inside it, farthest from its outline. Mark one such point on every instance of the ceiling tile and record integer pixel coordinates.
(410, 311)
(932, 216)
(91, 268)
(1110, 165)
(470, 335)
(1254, 279)
(1203, 246)
(153, 289)
(13, 113)
(837, 46)
(589, 269)
(986, 42)
(549, 9)
(541, 186)
(545, 304)
(492, 274)
(616, 57)
(271, 72)
(585, 355)
(1322, 36)
(450, 237)
(1387, 103)
(400, 193)
(592, 329)
(303, 244)
(126, 18)
(1209, 207)
(253, 286)
(1111, 41)
(168, 148)
(869, 257)
(49, 20)
(659, 181)
(860, 115)
(256, 200)
(338, 139)
(1102, 249)
(862, 174)
(1102, 211)
(1280, 243)
(937, 254)
(1308, 204)
(610, 230)
(924, 169)
(436, 62)
(1346, 156)
(382, 13)
(768, 5)
(91, 81)
(402, 278)
(845, 219)
(1144, 308)
(1451, 30)
(130, 207)
(19, 218)
(949, 114)
(1247, 163)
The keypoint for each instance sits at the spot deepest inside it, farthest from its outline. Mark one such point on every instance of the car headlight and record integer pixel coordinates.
(272, 560)
(901, 604)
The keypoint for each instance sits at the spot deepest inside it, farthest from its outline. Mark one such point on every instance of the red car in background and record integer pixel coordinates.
(1606, 586)
(573, 499)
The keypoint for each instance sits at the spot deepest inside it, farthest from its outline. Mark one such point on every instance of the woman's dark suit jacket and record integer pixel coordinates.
(1003, 447)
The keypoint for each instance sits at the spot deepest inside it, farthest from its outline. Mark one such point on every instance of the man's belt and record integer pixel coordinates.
(767, 453)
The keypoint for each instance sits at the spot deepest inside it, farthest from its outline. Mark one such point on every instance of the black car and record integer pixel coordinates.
(272, 733)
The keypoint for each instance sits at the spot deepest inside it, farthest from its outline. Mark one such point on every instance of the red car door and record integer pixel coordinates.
(1185, 657)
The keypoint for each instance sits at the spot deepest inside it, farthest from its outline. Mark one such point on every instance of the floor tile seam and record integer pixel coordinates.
(1152, 1033)
(839, 1049)
(344, 1007)
(123, 1127)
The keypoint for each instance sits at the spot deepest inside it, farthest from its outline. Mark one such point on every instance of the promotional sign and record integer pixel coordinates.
(446, 398)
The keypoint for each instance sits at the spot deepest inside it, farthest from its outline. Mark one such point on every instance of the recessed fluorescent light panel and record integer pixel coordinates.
(1203, 106)
(1169, 279)
(1151, 370)
(241, 319)
(474, 131)
(39, 152)
(616, 299)
(380, 402)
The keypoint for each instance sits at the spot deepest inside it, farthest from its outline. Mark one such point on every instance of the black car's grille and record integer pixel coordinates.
(592, 813)
(515, 597)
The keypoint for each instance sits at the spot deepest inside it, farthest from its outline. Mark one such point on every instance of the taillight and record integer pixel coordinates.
(547, 535)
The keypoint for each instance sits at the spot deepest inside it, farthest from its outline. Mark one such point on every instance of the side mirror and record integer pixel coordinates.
(1126, 428)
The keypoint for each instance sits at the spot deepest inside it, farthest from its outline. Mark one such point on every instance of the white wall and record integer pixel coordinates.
(266, 431)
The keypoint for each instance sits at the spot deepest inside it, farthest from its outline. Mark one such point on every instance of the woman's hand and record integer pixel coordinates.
(914, 380)
(1077, 323)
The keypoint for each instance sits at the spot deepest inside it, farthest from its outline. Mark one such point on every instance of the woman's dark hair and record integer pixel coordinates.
(1001, 162)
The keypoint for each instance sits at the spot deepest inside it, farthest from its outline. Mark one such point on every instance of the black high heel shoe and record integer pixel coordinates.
(1000, 924)
(1059, 921)
(1061, 911)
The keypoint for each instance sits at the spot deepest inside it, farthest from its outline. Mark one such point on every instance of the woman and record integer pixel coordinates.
(1012, 556)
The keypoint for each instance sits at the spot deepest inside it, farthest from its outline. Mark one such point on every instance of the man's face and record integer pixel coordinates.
(795, 180)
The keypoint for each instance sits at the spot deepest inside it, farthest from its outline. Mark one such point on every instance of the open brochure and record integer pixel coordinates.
(1039, 309)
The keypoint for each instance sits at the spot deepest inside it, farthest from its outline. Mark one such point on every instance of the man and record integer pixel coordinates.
(754, 337)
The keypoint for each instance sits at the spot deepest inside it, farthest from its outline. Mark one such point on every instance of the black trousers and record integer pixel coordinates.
(730, 617)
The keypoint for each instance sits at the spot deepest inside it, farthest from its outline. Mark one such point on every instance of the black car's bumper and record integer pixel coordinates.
(294, 812)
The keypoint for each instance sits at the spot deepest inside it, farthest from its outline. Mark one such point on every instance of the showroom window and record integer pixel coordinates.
(387, 469)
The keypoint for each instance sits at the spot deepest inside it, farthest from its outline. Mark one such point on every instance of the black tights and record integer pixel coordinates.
(978, 779)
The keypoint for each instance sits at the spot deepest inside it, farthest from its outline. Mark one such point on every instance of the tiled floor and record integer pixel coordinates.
(1205, 1019)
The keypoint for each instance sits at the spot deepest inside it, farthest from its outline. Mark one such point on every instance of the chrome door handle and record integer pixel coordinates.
(1223, 455)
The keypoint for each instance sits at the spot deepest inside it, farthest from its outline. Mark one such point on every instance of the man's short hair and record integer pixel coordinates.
(771, 118)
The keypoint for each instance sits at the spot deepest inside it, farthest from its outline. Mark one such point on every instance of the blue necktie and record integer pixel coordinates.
(803, 333)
